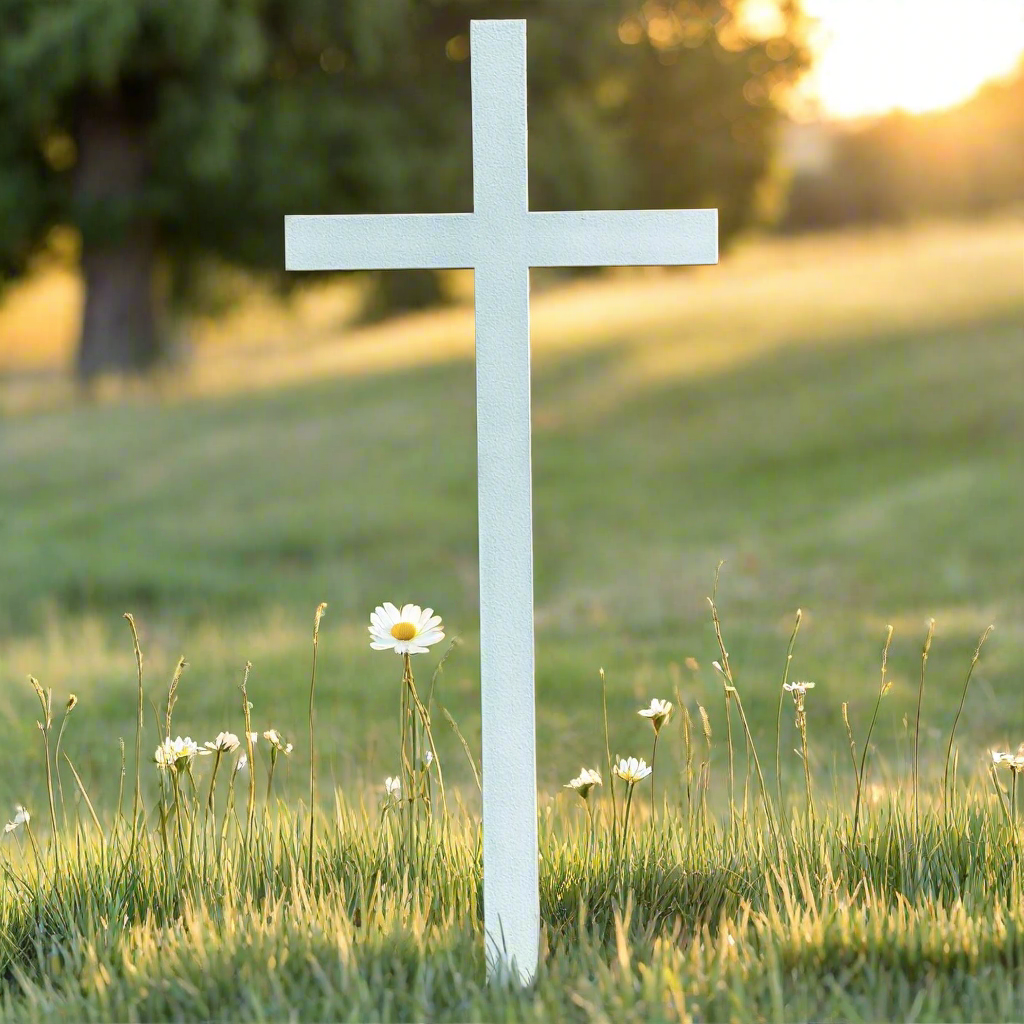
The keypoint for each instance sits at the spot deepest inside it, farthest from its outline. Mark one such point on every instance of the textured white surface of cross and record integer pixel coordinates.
(501, 240)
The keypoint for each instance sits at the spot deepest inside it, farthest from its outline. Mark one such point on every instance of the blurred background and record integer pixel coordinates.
(837, 409)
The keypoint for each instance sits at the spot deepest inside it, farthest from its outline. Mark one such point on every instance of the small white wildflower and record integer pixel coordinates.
(273, 737)
(410, 630)
(584, 782)
(632, 770)
(800, 688)
(428, 760)
(242, 763)
(658, 713)
(1015, 761)
(177, 754)
(224, 743)
(393, 788)
(21, 817)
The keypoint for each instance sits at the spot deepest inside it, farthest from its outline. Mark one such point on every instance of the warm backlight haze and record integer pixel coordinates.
(874, 56)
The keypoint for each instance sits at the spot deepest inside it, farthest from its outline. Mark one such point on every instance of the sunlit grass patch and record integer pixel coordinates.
(199, 903)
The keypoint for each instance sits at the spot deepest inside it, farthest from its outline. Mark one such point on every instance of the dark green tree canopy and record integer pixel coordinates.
(174, 135)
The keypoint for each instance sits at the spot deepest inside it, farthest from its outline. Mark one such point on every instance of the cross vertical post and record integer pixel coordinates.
(500, 240)
(502, 287)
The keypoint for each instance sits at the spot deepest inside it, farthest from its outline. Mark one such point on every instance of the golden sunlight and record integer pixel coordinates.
(874, 56)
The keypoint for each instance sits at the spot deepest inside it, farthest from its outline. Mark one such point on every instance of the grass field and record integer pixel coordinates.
(798, 911)
(840, 420)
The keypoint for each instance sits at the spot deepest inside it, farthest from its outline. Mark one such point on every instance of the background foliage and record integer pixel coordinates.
(175, 137)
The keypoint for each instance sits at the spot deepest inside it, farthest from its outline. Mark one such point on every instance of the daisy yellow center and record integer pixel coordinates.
(403, 630)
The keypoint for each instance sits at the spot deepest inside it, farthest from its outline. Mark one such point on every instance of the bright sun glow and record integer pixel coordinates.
(873, 56)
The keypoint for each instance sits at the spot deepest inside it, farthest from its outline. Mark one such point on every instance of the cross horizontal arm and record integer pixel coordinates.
(379, 241)
(622, 238)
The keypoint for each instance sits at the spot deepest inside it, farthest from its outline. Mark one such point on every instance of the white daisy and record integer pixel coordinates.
(410, 630)
(1015, 761)
(658, 712)
(393, 788)
(21, 817)
(273, 737)
(584, 782)
(799, 688)
(632, 770)
(224, 742)
(177, 754)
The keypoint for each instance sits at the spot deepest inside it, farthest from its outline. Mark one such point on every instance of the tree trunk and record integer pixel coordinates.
(119, 332)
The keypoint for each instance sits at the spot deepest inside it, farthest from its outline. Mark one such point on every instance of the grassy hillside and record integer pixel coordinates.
(841, 422)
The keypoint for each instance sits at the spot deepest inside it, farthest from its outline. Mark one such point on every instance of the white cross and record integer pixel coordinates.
(500, 240)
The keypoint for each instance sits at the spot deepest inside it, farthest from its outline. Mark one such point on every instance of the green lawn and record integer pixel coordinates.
(840, 421)
(902, 924)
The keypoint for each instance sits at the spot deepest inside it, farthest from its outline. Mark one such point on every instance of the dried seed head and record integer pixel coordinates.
(705, 721)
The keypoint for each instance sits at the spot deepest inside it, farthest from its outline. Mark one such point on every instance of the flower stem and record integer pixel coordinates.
(228, 811)
(732, 783)
(321, 608)
(1013, 802)
(424, 715)
(407, 777)
(625, 814)
(807, 773)
(56, 766)
(138, 733)
(213, 782)
(177, 818)
(593, 837)
(250, 810)
(952, 732)
(607, 748)
(917, 722)
(270, 774)
(867, 739)
(49, 791)
(782, 695)
(731, 690)
(654, 754)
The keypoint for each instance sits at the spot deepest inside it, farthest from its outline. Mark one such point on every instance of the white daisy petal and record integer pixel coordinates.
(410, 612)
(424, 616)
(380, 645)
(391, 612)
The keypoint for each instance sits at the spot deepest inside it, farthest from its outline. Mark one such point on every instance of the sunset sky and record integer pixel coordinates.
(873, 56)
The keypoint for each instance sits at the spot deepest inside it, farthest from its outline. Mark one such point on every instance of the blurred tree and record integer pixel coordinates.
(173, 135)
(698, 107)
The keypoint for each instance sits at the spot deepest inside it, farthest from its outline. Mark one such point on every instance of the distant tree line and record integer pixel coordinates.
(967, 160)
(168, 138)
